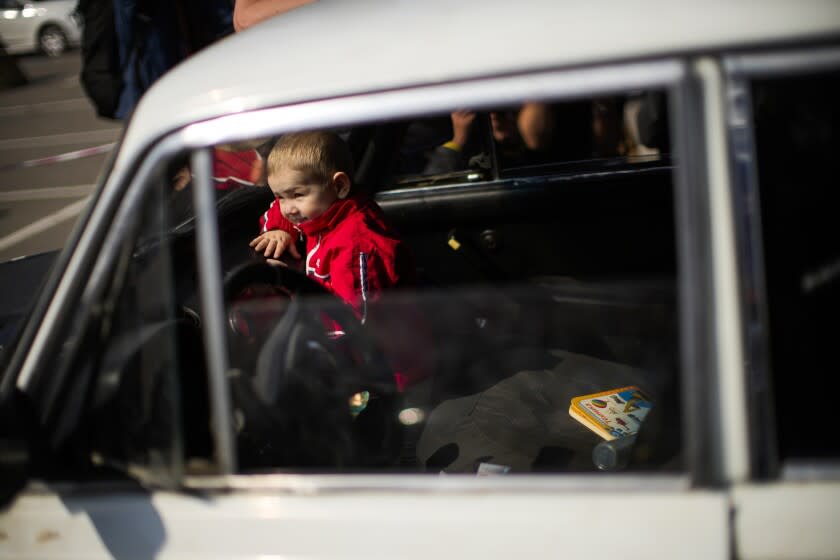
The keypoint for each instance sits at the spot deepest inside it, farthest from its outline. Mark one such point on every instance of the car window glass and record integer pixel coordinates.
(149, 372)
(628, 128)
(443, 149)
(511, 302)
(516, 297)
(797, 120)
(532, 137)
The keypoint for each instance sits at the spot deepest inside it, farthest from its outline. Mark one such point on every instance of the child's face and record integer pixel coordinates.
(300, 198)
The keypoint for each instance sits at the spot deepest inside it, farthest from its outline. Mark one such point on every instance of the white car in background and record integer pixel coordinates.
(167, 393)
(48, 26)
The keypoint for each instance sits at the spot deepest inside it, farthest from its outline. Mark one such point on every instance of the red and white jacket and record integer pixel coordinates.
(350, 250)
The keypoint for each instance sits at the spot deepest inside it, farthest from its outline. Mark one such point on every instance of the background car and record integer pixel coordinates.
(664, 222)
(48, 26)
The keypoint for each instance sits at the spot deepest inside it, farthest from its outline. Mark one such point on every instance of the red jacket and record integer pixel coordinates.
(350, 250)
(232, 170)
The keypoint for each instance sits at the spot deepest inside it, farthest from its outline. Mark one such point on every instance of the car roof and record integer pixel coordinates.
(333, 48)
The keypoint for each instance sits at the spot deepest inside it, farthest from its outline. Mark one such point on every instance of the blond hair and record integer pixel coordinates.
(318, 154)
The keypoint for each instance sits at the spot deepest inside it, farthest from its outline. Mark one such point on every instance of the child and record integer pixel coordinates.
(349, 248)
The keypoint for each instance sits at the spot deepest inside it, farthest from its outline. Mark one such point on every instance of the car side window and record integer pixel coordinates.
(443, 149)
(628, 128)
(520, 296)
(797, 120)
(148, 369)
(532, 137)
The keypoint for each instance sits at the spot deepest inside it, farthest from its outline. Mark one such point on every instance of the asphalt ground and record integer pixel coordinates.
(48, 116)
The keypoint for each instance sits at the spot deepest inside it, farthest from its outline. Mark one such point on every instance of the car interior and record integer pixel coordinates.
(543, 275)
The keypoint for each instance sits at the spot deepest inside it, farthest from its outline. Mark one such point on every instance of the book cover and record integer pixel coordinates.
(612, 414)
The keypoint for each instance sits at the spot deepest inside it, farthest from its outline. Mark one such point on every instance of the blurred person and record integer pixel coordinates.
(652, 121)
(448, 156)
(635, 147)
(520, 134)
(535, 124)
(127, 45)
(241, 164)
(250, 12)
(608, 127)
(234, 166)
(624, 127)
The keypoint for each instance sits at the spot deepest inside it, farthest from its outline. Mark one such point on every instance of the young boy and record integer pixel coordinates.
(349, 248)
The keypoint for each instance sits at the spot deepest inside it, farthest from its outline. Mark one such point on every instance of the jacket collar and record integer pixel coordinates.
(327, 221)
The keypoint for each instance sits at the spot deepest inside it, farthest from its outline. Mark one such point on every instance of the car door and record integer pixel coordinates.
(783, 129)
(126, 386)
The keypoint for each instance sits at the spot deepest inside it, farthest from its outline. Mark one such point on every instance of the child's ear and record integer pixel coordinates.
(342, 184)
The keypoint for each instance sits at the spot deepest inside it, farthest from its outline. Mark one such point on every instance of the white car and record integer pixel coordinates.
(48, 26)
(627, 206)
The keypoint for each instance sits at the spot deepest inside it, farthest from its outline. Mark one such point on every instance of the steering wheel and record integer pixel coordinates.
(302, 367)
(260, 272)
(304, 303)
(270, 288)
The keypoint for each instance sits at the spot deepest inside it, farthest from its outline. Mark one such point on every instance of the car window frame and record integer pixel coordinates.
(741, 69)
(669, 74)
(80, 283)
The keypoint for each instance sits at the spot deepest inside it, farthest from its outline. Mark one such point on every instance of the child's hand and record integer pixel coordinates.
(274, 243)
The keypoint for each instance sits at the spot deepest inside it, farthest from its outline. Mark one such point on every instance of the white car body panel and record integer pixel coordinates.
(788, 520)
(368, 524)
(331, 50)
(317, 51)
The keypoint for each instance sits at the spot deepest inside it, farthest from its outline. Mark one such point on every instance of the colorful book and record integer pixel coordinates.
(612, 414)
